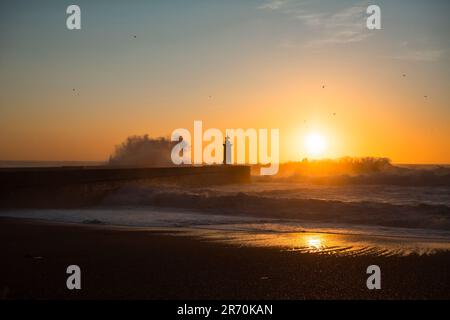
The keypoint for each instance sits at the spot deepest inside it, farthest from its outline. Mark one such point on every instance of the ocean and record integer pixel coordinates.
(345, 219)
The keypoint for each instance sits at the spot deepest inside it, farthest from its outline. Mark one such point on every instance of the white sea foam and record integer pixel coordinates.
(403, 219)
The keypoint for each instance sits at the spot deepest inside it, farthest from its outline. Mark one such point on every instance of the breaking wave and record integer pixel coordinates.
(279, 204)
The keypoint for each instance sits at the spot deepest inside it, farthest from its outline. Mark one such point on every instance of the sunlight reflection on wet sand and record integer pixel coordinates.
(326, 243)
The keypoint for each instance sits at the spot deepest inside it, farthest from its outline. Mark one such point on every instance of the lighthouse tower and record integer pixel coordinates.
(227, 151)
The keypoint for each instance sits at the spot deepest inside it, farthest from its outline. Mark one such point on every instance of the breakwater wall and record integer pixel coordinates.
(83, 186)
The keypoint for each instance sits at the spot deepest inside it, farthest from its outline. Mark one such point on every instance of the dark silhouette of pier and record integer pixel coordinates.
(80, 186)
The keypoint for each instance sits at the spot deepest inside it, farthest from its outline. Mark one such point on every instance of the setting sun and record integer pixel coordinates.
(315, 144)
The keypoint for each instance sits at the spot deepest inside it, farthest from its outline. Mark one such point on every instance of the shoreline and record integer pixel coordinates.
(119, 263)
(326, 238)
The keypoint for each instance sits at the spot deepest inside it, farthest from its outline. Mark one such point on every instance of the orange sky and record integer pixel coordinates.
(246, 72)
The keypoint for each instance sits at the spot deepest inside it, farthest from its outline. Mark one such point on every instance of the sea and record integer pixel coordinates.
(295, 216)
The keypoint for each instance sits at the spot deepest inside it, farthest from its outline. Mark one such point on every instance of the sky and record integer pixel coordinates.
(150, 67)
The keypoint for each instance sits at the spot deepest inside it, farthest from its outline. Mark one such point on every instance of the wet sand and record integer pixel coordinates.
(119, 263)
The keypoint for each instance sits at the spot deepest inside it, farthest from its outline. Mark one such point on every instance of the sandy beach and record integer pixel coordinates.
(120, 263)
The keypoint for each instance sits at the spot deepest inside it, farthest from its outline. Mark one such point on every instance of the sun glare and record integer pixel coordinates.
(314, 243)
(315, 144)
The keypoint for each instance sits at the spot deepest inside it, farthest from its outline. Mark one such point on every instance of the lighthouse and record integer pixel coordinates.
(227, 151)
